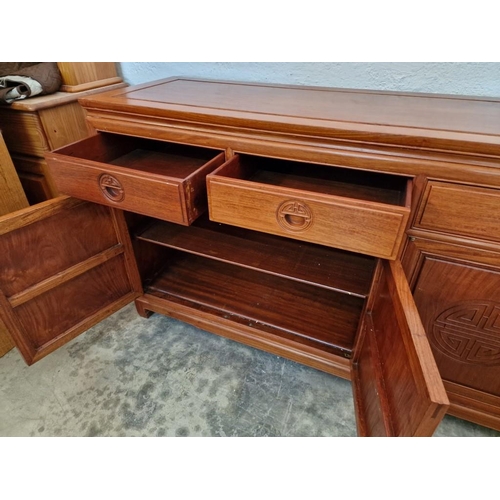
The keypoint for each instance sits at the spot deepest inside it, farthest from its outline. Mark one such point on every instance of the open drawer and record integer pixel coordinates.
(358, 211)
(154, 178)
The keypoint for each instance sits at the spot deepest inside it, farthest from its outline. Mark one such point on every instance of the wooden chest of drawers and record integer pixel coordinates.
(329, 231)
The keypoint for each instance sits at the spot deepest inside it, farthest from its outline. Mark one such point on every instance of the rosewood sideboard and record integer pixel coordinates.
(353, 231)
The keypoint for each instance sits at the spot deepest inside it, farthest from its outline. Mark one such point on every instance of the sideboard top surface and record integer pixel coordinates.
(429, 121)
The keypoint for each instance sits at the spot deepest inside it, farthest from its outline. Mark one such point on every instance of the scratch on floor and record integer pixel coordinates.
(281, 378)
(287, 416)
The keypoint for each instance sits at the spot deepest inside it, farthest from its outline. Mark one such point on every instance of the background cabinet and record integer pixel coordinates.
(79, 76)
(35, 126)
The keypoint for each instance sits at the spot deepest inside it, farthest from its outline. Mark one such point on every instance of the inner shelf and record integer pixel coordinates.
(307, 263)
(279, 287)
(278, 306)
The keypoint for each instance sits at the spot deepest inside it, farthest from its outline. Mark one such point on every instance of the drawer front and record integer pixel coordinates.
(35, 186)
(349, 224)
(34, 172)
(124, 190)
(460, 210)
(88, 170)
(23, 132)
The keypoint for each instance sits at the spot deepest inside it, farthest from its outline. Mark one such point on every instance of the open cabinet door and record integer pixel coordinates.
(397, 387)
(65, 265)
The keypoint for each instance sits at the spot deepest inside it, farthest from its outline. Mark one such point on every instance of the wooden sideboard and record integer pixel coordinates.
(352, 231)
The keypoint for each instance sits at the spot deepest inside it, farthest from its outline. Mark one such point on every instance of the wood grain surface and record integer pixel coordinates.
(397, 387)
(65, 266)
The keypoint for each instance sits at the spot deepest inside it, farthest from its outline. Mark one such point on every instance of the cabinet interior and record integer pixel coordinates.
(300, 291)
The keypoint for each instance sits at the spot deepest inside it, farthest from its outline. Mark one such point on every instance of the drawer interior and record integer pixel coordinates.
(324, 179)
(154, 157)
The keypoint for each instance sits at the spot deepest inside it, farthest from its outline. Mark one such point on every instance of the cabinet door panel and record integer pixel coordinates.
(34, 252)
(66, 264)
(397, 387)
(459, 303)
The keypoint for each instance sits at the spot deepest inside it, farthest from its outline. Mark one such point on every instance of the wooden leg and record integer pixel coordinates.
(141, 310)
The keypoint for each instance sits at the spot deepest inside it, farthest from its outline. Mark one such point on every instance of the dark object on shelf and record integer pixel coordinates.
(29, 81)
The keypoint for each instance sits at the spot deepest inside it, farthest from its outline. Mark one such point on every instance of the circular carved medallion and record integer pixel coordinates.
(469, 331)
(111, 188)
(294, 215)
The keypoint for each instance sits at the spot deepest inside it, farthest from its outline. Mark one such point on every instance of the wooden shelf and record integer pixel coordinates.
(278, 306)
(332, 269)
(282, 288)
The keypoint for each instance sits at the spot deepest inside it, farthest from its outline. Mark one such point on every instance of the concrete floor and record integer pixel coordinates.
(129, 376)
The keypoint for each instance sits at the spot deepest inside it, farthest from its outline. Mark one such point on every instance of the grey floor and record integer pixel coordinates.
(129, 376)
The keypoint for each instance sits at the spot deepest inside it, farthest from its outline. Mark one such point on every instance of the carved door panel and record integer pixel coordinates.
(396, 384)
(65, 265)
(459, 303)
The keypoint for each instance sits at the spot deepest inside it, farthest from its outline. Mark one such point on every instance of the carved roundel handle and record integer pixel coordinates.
(294, 215)
(111, 188)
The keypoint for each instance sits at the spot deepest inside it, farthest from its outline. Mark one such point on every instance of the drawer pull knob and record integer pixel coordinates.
(111, 188)
(294, 215)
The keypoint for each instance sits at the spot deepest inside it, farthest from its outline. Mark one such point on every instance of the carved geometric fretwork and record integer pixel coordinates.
(469, 332)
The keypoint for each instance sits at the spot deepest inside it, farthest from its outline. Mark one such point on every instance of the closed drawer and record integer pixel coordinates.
(460, 210)
(35, 177)
(159, 179)
(353, 210)
(23, 132)
(35, 186)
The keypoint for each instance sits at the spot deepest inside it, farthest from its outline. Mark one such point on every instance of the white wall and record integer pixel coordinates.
(447, 78)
